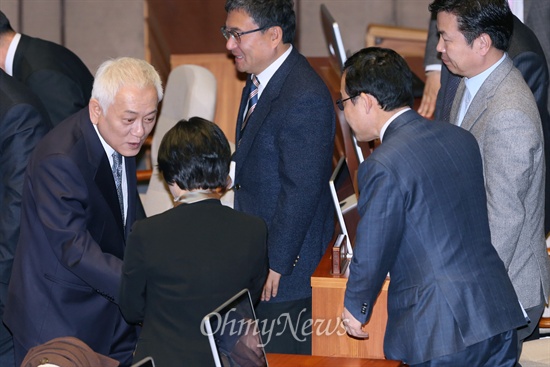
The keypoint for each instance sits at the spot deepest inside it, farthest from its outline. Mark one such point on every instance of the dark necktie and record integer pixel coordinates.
(450, 91)
(117, 174)
(252, 100)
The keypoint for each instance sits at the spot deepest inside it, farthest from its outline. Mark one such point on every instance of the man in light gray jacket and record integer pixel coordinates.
(495, 104)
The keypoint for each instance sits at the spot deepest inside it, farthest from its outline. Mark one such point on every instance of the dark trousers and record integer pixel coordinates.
(285, 326)
(498, 351)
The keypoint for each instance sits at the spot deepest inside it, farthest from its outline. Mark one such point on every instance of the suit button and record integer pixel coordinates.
(237, 187)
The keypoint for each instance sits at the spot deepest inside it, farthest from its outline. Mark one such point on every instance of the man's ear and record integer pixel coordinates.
(483, 43)
(95, 110)
(276, 35)
(367, 101)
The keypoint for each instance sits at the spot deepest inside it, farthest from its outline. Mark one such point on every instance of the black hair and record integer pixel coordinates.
(5, 26)
(195, 154)
(268, 13)
(382, 73)
(475, 17)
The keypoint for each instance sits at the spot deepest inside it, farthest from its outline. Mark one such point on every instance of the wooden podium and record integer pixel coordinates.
(328, 303)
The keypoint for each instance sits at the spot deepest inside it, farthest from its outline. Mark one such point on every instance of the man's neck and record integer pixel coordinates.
(5, 41)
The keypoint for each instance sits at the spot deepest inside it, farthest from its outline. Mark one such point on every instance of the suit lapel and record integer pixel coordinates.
(103, 176)
(269, 96)
(484, 94)
(242, 107)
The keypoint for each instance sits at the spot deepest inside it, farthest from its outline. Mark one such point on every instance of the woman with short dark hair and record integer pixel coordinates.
(181, 264)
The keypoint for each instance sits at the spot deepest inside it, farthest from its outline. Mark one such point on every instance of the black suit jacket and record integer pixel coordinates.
(55, 74)
(23, 122)
(182, 264)
(68, 263)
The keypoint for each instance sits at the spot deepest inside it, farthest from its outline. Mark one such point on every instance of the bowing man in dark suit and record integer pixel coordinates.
(283, 159)
(183, 263)
(80, 200)
(23, 122)
(424, 220)
(54, 73)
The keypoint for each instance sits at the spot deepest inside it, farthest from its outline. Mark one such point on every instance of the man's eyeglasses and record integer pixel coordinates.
(227, 32)
(340, 102)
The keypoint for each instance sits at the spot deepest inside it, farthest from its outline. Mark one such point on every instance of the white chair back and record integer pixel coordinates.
(190, 91)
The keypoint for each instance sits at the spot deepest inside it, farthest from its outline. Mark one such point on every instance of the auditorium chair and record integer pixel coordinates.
(190, 91)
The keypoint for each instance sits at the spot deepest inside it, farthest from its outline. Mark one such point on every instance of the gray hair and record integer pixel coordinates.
(117, 73)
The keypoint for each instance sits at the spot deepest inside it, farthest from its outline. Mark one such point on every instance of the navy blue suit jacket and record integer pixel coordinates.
(283, 165)
(68, 263)
(55, 74)
(424, 220)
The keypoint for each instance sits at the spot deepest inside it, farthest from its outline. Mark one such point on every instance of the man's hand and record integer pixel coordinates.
(271, 285)
(431, 87)
(352, 325)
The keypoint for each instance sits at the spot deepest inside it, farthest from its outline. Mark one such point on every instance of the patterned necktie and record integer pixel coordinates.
(117, 174)
(252, 100)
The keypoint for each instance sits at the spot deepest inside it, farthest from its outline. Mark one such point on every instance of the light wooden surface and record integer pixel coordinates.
(230, 86)
(406, 41)
(327, 305)
(293, 360)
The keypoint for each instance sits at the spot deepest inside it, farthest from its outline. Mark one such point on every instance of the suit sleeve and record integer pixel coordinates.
(20, 129)
(431, 56)
(133, 283)
(63, 193)
(511, 152)
(379, 232)
(59, 93)
(305, 141)
(260, 263)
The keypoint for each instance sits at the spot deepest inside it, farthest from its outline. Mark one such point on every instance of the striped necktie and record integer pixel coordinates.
(252, 100)
(117, 174)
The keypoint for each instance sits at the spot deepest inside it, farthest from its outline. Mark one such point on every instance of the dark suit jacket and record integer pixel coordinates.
(23, 122)
(68, 263)
(55, 74)
(182, 264)
(283, 165)
(424, 220)
(528, 57)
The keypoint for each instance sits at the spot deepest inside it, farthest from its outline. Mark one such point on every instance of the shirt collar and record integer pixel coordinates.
(265, 76)
(396, 115)
(11, 53)
(474, 83)
(108, 149)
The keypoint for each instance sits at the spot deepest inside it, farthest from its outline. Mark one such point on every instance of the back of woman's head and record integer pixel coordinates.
(195, 154)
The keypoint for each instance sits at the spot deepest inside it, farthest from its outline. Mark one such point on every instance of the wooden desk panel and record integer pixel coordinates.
(293, 360)
(328, 303)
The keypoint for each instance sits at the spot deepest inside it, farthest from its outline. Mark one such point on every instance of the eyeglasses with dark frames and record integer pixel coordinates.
(340, 102)
(228, 32)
